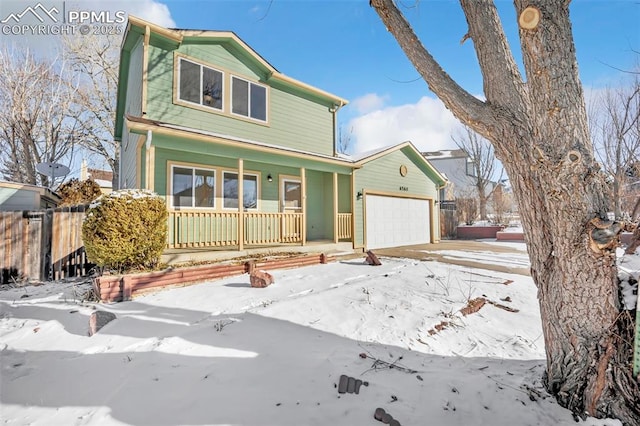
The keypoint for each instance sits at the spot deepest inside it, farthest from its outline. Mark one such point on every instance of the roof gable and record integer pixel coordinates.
(410, 151)
(177, 37)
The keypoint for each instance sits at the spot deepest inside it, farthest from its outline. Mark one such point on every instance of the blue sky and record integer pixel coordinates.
(341, 46)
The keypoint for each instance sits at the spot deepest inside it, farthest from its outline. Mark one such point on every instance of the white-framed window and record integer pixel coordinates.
(230, 190)
(248, 99)
(291, 195)
(193, 187)
(200, 84)
(471, 169)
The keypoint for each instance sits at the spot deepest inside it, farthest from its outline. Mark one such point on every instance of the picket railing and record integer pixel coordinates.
(344, 226)
(219, 229)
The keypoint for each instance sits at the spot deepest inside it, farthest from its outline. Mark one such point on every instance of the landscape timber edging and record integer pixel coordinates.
(118, 288)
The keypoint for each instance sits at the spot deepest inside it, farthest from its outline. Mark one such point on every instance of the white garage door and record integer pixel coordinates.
(393, 222)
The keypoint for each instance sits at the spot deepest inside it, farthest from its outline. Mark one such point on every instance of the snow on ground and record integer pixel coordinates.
(223, 353)
(511, 260)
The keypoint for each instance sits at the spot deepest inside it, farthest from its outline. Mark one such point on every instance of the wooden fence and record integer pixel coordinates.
(448, 220)
(42, 245)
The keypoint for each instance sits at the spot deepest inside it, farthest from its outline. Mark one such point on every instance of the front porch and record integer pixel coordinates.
(199, 236)
(207, 229)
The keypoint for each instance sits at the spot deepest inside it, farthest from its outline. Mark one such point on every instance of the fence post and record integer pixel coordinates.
(46, 273)
(32, 252)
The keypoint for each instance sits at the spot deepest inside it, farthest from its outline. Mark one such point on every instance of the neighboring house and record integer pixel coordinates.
(458, 169)
(104, 178)
(20, 196)
(200, 111)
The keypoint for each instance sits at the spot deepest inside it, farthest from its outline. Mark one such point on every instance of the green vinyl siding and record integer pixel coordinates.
(294, 121)
(344, 194)
(269, 191)
(383, 175)
(133, 106)
(319, 205)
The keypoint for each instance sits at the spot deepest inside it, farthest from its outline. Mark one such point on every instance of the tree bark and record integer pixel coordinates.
(539, 132)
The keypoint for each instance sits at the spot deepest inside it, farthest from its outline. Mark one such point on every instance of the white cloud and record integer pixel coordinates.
(367, 103)
(152, 11)
(427, 124)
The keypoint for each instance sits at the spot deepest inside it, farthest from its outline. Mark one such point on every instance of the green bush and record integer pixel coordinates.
(126, 230)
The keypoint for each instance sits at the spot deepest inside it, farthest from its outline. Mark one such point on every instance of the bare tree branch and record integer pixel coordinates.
(95, 63)
(484, 164)
(36, 117)
(463, 105)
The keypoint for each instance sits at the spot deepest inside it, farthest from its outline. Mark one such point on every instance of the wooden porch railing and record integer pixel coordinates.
(219, 229)
(270, 228)
(344, 226)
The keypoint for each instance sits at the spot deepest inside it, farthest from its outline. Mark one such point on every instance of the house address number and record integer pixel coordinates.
(404, 188)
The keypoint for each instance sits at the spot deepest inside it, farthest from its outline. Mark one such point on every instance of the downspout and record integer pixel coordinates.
(147, 156)
(334, 111)
(145, 68)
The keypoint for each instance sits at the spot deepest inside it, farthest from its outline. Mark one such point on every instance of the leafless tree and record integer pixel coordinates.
(344, 140)
(94, 60)
(615, 129)
(502, 204)
(467, 207)
(36, 116)
(539, 130)
(484, 164)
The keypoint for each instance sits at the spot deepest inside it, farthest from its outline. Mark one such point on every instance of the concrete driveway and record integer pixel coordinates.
(500, 257)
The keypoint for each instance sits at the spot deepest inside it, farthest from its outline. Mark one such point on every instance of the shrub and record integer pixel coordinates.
(78, 192)
(125, 229)
(467, 209)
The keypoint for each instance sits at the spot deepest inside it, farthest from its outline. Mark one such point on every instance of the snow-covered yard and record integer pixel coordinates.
(223, 353)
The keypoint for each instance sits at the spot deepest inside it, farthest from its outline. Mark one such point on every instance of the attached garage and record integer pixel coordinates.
(396, 221)
(395, 199)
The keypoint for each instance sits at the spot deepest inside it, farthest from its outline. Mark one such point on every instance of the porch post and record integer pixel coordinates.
(335, 208)
(240, 204)
(303, 190)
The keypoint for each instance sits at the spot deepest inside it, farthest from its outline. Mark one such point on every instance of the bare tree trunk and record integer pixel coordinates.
(539, 132)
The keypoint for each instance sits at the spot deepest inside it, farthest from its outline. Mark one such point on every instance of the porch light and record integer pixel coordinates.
(269, 177)
(359, 195)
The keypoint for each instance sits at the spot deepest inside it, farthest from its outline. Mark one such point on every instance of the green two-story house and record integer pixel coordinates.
(246, 156)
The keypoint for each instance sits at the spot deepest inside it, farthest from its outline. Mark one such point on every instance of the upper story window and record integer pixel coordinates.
(248, 99)
(200, 84)
(471, 168)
